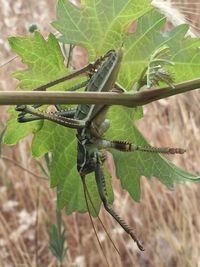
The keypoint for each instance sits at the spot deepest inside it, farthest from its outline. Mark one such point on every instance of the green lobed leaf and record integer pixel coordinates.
(45, 62)
(49, 136)
(138, 48)
(141, 44)
(186, 57)
(148, 37)
(99, 29)
(98, 25)
(131, 165)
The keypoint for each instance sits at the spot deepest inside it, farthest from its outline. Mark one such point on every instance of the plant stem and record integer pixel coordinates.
(108, 98)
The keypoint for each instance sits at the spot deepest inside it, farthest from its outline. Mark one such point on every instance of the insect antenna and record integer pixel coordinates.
(8, 61)
(95, 231)
(89, 197)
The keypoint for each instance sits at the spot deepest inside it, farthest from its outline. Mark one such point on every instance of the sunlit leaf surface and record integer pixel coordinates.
(100, 26)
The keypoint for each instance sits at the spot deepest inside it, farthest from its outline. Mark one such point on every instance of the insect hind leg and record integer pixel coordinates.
(102, 192)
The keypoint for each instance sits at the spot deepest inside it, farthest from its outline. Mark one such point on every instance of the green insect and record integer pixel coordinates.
(91, 124)
(156, 71)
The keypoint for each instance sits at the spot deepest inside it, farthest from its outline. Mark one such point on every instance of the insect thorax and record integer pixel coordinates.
(87, 151)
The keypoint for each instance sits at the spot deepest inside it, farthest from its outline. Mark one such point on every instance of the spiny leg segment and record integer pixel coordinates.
(92, 204)
(100, 180)
(129, 147)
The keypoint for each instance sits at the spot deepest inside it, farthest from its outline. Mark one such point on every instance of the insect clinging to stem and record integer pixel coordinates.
(91, 124)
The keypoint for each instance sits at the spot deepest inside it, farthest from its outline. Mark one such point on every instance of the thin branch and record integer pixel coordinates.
(108, 98)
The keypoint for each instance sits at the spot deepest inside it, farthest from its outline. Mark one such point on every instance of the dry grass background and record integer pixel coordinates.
(167, 221)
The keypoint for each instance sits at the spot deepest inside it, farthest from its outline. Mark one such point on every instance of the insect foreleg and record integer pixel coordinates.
(129, 147)
(78, 86)
(73, 88)
(65, 78)
(22, 117)
(102, 192)
(89, 70)
(55, 117)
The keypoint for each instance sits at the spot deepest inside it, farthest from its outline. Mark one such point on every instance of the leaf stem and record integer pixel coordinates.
(109, 98)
